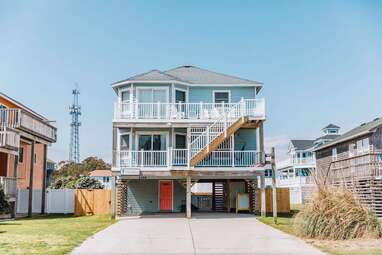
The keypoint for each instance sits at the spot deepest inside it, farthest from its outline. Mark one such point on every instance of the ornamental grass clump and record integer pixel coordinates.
(335, 214)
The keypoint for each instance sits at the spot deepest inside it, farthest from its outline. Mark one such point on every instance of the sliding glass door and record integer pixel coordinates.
(153, 149)
(151, 102)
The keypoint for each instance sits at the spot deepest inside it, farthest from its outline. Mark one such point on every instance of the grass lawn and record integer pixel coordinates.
(48, 235)
(351, 247)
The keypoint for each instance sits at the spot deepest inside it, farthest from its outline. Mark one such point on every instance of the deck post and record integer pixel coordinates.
(113, 197)
(30, 196)
(262, 191)
(188, 198)
(43, 194)
(274, 189)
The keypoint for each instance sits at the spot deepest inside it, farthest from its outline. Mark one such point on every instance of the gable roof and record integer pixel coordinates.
(328, 137)
(302, 144)
(197, 75)
(190, 75)
(153, 75)
(22, 106)
(361, 130)
(331, 126)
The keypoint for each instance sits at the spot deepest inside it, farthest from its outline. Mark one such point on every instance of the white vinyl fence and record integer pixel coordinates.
(56, 201)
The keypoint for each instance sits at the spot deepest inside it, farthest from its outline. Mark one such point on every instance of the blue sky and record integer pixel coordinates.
(320, 61)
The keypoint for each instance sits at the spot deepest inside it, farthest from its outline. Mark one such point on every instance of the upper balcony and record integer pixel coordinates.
(9, 139)
(19, 119)
(297, 162)
(186, 112)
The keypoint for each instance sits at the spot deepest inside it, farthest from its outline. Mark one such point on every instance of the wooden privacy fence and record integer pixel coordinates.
(283, 200)
(92, 202)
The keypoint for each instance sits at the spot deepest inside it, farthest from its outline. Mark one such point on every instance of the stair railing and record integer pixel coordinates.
(214, 130)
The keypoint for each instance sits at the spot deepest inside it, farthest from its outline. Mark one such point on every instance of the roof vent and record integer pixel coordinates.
(187, 66)
(376, 119)
(363, 124)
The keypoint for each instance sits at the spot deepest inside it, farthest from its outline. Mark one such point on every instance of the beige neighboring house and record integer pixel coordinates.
(104, 176)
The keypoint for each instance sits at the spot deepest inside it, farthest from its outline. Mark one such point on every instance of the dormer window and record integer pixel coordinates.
(125, 95)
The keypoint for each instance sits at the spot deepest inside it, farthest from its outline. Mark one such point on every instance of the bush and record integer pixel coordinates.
(335, 214)
(86, 182)
(4, 205)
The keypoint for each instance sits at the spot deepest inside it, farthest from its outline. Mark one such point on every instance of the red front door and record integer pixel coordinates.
(165, 195)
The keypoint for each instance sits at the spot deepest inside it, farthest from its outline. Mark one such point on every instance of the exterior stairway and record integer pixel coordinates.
(217, 133)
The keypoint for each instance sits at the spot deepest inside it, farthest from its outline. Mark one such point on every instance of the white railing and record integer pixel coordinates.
(9, 185)
(186, 111)
(9, 138)
(303, 161)
(37, 126)
(10, 118)
(16, 118)
(216, 129)
(178, 157)
(296, 180)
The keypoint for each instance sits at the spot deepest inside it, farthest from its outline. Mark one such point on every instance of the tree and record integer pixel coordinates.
(86, 182)
(81, 169)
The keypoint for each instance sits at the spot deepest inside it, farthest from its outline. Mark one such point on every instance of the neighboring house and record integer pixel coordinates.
(24, 139)
(295, 172)
(103, 176)
(172, 129)
(50, 168)
(353, 160)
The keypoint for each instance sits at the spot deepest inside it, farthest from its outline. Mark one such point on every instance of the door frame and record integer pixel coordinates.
(172, 194)
(138, 133)
(138, 88)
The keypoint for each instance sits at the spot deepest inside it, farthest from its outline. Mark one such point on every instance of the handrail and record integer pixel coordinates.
(200, 143)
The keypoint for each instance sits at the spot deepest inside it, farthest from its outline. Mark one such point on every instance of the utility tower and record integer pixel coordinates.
(75, 111)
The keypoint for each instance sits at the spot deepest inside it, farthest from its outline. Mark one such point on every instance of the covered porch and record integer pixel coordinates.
(178, 193)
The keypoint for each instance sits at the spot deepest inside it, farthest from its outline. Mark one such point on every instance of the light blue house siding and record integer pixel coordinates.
(205, 94)
(143, 196)
(245, 138)
(201, 93)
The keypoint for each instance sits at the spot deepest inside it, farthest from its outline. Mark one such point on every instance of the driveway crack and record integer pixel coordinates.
(192, 236)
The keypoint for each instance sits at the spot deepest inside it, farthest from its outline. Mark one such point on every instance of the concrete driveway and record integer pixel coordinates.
(203, 234)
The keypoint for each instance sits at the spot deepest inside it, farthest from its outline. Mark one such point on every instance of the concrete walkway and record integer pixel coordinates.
(203, 234)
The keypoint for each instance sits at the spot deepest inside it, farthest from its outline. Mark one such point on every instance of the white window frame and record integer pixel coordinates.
(121, 133)
(138, 133)
(224, 91)
(121, 90)
(152, 88)
(183, 90)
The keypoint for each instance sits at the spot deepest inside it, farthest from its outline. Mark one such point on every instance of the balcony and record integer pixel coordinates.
(178, 159)
(186, 112)
(9, 185)
(287, 181)
(9, 139)
(297, 162)
(19, 119)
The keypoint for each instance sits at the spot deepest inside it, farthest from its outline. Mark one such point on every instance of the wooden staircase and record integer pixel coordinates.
(218, 197)
(217, 141)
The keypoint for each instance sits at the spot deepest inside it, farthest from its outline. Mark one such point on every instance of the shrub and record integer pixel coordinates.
(335, 214)
(4, 205)
(86, 182)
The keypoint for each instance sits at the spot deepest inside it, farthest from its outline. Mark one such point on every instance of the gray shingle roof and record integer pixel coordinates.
(191, 75)
(328, 137)
(153, 75)
(198, 75)
(331, 126)
(363, 129)
(302, 144)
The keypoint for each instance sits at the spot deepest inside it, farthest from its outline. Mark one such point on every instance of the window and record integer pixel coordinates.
(152, 95)
(180, 96)
(351, 149)
(106, 179)
(152, 142)
(21, 155)
(180, 141)
(221, 96)
(363, 145)
(125, 95)
(124, 144)
(334, 153)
